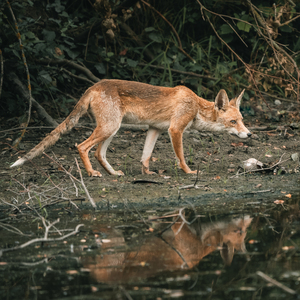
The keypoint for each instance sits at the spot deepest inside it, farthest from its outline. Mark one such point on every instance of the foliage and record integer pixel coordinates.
(205, 45)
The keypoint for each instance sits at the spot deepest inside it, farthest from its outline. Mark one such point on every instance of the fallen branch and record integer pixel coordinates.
(20, 89)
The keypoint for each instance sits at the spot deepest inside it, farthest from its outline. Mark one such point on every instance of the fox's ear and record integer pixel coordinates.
(237, 101)
(221, 101)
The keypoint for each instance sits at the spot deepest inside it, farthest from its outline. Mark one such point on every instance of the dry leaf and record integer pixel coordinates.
(123, 52)
(154, 158)
(253, 242)
(58, 51)
(72, 272)
(278, 201)
(288, 195)
(94, 289)
(286, 248)
(105, 241)
(240, 144)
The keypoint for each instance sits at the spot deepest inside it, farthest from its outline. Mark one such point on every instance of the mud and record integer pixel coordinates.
(217, 156)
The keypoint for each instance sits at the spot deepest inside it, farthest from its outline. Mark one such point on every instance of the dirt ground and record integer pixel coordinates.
(276, 136)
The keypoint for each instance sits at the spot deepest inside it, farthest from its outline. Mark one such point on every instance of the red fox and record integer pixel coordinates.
(162, 108)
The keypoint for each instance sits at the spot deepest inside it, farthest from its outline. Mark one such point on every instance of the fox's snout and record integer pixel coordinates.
(242, 135)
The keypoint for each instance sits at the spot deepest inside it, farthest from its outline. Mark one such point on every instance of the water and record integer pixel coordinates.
(182, 253)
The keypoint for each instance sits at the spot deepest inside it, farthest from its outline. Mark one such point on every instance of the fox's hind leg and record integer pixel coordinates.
(100, 154)
(102, 136)
(151, 139)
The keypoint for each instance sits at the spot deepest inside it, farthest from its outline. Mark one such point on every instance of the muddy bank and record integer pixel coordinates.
(217, 156)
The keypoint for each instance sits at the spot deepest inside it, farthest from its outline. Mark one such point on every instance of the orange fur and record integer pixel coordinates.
(162, 108)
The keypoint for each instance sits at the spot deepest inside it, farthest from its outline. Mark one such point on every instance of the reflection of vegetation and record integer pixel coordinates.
(116, 240)
(197, 44)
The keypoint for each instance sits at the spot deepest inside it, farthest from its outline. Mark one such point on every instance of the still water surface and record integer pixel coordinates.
(182, 253)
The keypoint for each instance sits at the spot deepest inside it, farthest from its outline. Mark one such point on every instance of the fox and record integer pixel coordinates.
(175, 109)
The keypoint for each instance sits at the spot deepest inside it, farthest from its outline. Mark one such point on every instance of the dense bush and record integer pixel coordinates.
(205, 45)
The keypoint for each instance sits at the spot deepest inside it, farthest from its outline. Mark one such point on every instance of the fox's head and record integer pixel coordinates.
(228, 114)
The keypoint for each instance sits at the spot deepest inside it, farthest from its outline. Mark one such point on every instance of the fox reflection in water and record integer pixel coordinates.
(182, 246)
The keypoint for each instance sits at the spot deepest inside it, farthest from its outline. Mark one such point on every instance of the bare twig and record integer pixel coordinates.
(78, 77)
(2, 71)
(173, 29)
(275, 282)
(13, 229)
(40, 240)
(180, 72)
(80, 181)
(84, 187)
(65, 62)
(27, 72)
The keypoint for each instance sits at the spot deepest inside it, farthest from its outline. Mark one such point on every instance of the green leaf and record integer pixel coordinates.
(30, 35)
(49, 36)
(72, 54)
(64, 14)
(46, 76)
(132, 63)
(286, 28)
(16, 53)
(110, 54)
(155, 37)
(243, 26)
(148, 29)
(226, 29)
(100, 68)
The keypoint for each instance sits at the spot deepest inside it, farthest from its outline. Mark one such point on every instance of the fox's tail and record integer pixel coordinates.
(79, 110)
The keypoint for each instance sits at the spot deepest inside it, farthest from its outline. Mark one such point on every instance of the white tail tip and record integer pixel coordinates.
(19, 162)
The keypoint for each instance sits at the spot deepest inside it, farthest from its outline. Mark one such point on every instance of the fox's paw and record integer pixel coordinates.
(193, 172)
(94, 173)
(145, 170)
(119, 173)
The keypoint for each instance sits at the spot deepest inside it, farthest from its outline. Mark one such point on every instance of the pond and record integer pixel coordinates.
(247, 251)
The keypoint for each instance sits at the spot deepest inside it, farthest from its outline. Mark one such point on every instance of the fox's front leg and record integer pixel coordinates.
(176, 138)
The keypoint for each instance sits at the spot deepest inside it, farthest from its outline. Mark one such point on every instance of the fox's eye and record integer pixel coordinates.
(233, 121)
